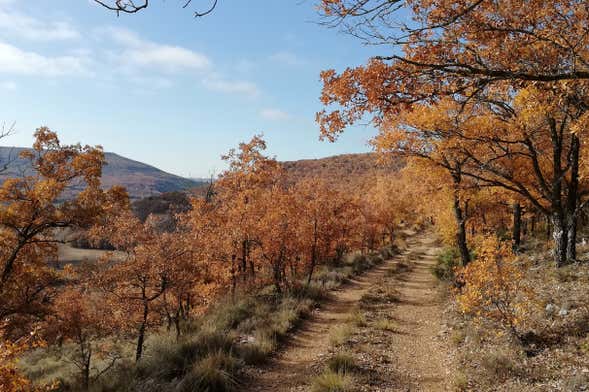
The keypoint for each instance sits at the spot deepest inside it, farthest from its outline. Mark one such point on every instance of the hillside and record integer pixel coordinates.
(346, 170)
(140, 179)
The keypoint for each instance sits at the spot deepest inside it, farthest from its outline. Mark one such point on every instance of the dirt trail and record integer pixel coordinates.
(417, 355)
(420, 355)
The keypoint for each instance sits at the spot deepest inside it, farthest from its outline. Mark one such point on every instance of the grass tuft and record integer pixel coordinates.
(331, 381)
(385, 324)
(214, 373)
(342, 363)
(340, 334)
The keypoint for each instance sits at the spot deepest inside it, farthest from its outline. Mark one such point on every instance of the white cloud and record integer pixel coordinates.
(139, 52)
(8, 86)
(152, 83)
(240, 87)
(14, 60)
(275, 114)
(287, 58)
(27, 27)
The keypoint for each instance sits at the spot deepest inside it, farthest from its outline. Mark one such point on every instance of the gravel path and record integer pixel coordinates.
(410, 358)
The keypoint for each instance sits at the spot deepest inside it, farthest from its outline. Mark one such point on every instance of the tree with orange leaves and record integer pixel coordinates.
(32, 208)
(82, 316)
(136, 285)
(462, 49)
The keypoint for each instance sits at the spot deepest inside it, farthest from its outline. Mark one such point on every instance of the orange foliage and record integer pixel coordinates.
(494, 286)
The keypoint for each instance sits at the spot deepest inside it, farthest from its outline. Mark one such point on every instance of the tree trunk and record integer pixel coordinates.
(86, 370)
(461, 230)
(571, 254)
(244, 259)
(313, 253)
(233, 278)
(141, 337)
(517, 223)
(560, 239)
(573, 201)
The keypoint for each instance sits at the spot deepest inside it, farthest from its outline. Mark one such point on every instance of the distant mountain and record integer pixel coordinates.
(140, 179)
(342, 171)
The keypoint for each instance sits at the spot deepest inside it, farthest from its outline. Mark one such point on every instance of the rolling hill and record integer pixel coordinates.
(346, 170)
(140, 179)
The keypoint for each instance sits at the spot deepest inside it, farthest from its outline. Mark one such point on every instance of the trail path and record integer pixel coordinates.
(410, 358)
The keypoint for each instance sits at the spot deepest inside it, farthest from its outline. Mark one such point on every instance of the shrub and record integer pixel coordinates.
(342, 363)
(448, 261)
(332, 382)
(494, 288)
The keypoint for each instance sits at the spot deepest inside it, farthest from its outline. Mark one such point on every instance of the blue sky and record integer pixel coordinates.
(167, 89)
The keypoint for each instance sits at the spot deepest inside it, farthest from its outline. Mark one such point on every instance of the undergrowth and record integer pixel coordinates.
(211, 354)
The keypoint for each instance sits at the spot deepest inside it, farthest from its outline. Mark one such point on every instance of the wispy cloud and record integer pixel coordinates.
(8, 85)
(23, 26)
(14, 60)
(139, 52)
(275, 114)
(228, 86)
(287, 58)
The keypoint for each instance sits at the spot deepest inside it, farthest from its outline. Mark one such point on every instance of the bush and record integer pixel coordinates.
(494, 288)
(342, 363)
(332, 382)
(448, 261)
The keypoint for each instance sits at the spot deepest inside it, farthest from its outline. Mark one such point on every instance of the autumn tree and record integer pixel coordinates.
(33, 207)
(239, 193)
(135, 286)
(424, 134)
(534, 153)
(82, 317)
(464, 49)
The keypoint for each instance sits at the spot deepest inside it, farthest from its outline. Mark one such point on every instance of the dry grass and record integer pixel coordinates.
(340, 334)
(385, 324)
(330, 381)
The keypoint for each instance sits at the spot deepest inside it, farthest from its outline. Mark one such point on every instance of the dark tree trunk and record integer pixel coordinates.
(559, 237)
(517, 223)
(244, 259)
(233, 278)
(461, 227)
(313, 253)
(573, 202)
(142, 327)
(86, 370)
